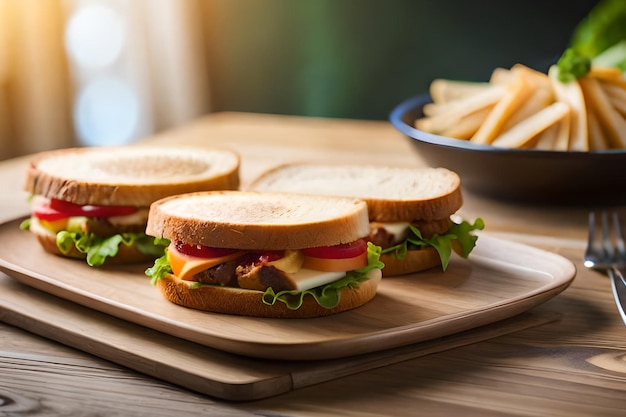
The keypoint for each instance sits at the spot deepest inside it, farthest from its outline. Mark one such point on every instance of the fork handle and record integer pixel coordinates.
(618, 285)
(620, 274)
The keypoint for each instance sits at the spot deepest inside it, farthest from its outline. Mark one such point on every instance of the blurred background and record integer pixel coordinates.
(109, 72)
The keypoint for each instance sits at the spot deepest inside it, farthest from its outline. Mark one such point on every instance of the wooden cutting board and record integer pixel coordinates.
(199, 368)
(116, 314)
(501, 279)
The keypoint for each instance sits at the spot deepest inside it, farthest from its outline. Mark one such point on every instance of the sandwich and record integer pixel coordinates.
(410, 209)
(93, 203)
(264, 254)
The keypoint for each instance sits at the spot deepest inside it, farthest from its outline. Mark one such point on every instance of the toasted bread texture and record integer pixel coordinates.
(392, 194)
(424, 197)
(264, 221)
(131, 175)
(249, 302)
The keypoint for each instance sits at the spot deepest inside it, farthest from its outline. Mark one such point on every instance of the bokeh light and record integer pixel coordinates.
(95, 36)
(106, 113)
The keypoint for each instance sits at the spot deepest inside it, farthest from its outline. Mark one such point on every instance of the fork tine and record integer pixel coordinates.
(589, 256)
(608, 254)
(619, 239)
(607, 245)
(592, 227)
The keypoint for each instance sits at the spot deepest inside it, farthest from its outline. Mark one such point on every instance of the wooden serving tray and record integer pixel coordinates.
(200, 368)
(501, 279)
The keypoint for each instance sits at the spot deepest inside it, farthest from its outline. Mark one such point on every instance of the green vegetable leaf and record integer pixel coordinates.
(25, 224)
(602, 29)
(572, 66)
(460, 233)
(327, 295)
(160, 269)
(465, 238)
(98, 249)
(615, 57)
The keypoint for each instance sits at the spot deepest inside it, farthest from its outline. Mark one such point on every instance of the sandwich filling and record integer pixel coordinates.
(285, 276)
(445, 236)
(96, 231)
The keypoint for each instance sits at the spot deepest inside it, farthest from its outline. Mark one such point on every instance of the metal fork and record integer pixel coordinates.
(606, 252)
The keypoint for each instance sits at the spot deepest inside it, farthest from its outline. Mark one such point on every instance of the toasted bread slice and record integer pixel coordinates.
(133, 175)
(239, 301)
(263, 221)
(392, 194)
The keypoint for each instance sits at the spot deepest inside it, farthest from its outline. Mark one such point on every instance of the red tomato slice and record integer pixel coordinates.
(45, 212)
(201, 251)
(90, 210)
(56, 209)
(346, 250)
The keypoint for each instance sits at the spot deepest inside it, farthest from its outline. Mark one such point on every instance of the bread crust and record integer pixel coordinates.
(132, 176)
(242, 302)
(414, 261)
(262, 221)
(126, 255)
(393, 194)
(413, 211)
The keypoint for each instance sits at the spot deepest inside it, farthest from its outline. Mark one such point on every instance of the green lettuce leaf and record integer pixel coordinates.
(160, 269)
(25, 224)
(598, 34)
(98, 248)
(459, 233)
(326, 295)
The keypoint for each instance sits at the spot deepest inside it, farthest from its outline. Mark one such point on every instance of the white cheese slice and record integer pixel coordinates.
(305, 279)
(138, 217)
(399, 230)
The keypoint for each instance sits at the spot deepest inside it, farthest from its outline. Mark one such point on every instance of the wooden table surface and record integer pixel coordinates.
(573, 365)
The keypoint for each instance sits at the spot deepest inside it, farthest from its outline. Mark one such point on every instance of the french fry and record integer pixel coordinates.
(520, 134)
(465, 105)
(609, 75)
(517, 93)
(617, 96)
(563, 137)
(612, 122)
(546, 140)
(534, 77)
(538, 100)
(456, 110)
(501, 76)
(572, 94)
(443, 91)
(597, 139)
(524, 108)
(468, 125)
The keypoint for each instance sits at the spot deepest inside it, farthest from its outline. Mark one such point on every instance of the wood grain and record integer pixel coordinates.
(198, 367)
(499, 280)
(570, 366)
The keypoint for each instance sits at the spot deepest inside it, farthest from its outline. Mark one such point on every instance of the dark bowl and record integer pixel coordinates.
(595, 178)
